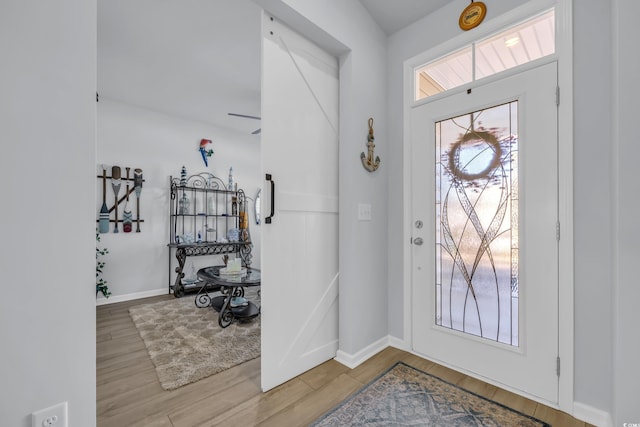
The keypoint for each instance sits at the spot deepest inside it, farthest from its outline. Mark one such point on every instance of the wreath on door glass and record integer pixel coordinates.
(471, 138)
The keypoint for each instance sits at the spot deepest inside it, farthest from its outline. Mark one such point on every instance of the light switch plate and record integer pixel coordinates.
(364, 212)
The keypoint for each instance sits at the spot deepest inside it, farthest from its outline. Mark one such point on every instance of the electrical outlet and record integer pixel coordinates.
(53, 416)
(364, 212)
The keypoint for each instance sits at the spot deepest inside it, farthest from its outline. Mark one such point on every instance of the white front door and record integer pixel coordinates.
(299, 147)
(484, 218)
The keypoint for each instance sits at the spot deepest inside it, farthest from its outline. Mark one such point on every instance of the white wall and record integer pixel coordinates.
(137, 263)
(626, 209)
(592, 204)
(47, 130)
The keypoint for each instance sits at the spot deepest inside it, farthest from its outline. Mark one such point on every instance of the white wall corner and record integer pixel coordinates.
(129, 297)
(399, 343)
(592, 415)
(354, 360)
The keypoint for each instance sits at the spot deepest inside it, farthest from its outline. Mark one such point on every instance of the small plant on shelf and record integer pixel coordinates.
(101, 284)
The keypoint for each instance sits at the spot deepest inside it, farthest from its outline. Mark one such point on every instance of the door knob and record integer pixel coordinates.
(418, 241)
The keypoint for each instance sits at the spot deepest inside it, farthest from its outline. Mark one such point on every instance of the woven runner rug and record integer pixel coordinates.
(186, 344)
(405, 396)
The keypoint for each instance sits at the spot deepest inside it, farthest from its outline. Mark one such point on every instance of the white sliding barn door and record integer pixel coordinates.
(299, 146)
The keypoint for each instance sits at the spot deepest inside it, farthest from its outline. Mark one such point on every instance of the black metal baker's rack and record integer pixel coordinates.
(205, 218)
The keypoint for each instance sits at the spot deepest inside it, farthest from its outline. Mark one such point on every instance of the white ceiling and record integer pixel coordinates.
(200, 59)
(393, 15)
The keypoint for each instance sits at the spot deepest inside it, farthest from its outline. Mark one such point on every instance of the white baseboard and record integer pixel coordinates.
(399, 344)
(129, 297)
(354, 360)
(592, 415)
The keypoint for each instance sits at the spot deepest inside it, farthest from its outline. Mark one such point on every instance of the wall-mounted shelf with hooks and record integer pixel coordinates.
(121, 187)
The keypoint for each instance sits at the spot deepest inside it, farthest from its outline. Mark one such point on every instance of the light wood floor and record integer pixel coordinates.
(129, 393)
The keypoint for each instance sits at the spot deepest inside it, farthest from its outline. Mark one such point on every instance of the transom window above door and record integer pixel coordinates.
(517, 45)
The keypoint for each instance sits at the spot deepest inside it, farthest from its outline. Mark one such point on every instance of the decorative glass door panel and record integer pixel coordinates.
(476, 210)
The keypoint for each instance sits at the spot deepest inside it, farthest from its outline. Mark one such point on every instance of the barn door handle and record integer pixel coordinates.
(273, 198)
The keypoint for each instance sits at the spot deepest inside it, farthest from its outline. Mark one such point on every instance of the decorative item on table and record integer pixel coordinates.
(137, 182)
(367, 160)
(209, 230)
(115, 184)
(239, 302)
(103, 224)
(205, 150)
(127, 215)
(234, 268)
(183, 204)
(230, 183)
(191, 277)
(183, 177)
(233, 235)
(243, 217)
(210, 198)
(184, 238)
(234, 206)
(234, 265)
(211, 205)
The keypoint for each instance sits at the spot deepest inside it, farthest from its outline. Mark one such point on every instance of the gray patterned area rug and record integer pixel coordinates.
(186, 344)
(406, 396)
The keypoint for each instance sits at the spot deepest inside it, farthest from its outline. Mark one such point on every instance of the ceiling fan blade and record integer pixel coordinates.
(256, 132)
(244, 116)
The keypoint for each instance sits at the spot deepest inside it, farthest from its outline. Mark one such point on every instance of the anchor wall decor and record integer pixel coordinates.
(367, 160)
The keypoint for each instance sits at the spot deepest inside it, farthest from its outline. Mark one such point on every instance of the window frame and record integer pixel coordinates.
(471, 43)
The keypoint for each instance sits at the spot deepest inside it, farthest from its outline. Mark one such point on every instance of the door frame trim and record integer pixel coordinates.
(564, 55)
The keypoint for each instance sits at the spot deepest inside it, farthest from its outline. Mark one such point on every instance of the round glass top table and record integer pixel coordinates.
(231, 304)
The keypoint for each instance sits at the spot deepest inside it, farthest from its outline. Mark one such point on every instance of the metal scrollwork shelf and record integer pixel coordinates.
(206, 218)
